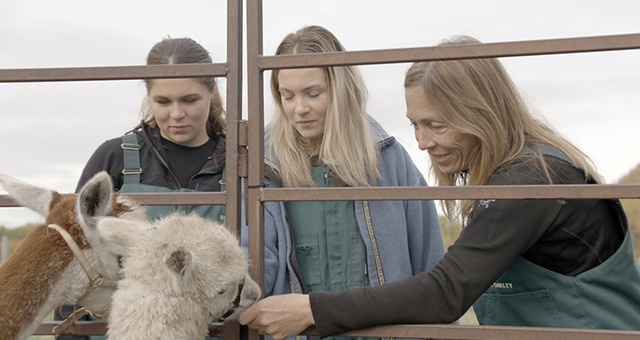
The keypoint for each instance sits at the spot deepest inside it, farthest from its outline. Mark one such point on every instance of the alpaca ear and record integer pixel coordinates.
(94, 199)
(121, 234)
(30, 196)
(179, 260)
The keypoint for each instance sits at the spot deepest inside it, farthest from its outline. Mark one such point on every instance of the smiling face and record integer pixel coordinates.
(304, 95)
(181, 110)
(448, 149)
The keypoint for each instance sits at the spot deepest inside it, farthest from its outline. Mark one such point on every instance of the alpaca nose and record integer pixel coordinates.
(251, 290)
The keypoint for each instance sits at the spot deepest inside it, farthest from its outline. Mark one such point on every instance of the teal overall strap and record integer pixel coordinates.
(131, 155)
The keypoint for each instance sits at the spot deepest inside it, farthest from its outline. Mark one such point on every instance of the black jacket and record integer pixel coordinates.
(154, 162)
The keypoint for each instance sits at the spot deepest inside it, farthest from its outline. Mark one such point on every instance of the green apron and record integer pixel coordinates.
(529, 295)
(329, 249)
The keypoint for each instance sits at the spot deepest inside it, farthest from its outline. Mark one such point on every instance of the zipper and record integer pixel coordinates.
(374, 243)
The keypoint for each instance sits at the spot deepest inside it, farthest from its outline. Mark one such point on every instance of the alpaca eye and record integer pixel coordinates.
(222, 291)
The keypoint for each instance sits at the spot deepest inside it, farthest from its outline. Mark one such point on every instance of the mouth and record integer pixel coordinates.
(179, 127)
(440, 158)
(305, 123)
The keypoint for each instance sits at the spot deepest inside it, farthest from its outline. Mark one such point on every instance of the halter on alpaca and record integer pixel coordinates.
(43, 272)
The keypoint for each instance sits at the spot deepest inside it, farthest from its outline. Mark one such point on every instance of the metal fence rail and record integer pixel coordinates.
(245, 145)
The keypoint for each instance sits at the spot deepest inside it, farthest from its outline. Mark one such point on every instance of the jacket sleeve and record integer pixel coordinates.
(271, 261)
(107, 157)
(426, 246)
(274, 262)
(431, 246)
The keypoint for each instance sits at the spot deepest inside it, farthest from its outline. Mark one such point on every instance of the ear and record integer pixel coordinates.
(30, 196)
(94, 199)
(120, 234)
(179, 260)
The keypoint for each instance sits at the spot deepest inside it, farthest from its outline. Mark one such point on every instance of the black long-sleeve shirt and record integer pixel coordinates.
(565, 236)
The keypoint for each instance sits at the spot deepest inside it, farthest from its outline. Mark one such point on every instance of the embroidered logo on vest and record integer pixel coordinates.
(503, 285)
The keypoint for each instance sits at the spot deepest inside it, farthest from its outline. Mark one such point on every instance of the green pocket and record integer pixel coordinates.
(307, 254)
(531, 309)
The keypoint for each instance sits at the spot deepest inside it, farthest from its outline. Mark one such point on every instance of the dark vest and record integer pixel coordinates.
(604, 297)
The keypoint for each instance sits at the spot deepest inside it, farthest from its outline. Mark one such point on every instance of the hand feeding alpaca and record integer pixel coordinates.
(44, 272)
(179, 275)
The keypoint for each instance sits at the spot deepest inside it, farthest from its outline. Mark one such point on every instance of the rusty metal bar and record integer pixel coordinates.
(255, 141)
(234, 114)
(161, 198)
(486, 332)
(486, 50)
(401, 331)
(446, 193)
(78, 328)
(185, 198)
(233, 208)
(112, 73)
(100, 328)
(574, 191)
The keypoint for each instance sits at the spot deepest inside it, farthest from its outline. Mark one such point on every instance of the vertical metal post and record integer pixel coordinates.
(231, 330)
(255, 141)
(5, 249)
(234, 109)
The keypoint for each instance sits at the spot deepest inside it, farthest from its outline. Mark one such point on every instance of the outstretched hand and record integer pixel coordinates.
(280, 316)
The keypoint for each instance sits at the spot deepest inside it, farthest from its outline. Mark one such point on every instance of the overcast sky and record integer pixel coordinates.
(49, 130)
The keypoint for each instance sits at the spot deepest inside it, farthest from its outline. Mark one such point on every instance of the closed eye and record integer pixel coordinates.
(190, 100)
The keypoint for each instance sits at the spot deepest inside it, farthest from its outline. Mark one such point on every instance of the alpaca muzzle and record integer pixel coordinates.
(236, 302)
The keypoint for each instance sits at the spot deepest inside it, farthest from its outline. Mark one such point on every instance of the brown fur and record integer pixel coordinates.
(26, 279)
(28, 276)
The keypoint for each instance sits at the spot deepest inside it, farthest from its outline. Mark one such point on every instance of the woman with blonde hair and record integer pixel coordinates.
(321, 136)
(545, 263)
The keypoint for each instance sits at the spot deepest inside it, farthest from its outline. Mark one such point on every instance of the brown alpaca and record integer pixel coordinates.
(43, 272)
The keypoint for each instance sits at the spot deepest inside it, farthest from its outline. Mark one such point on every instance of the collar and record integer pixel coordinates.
(236, 302)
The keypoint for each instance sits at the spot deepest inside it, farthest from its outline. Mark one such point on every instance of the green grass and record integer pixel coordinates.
(469, 318)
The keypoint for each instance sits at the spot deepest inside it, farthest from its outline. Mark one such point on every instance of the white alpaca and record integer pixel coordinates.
(43, 272)
(179, 275)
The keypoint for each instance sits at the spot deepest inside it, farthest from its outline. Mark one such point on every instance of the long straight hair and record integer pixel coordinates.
(477, 97)
(347, 145)
(171, 51)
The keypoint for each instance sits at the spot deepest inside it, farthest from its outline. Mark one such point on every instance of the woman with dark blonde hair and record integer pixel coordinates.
(180, 143)
(321, 136)
(546, 263)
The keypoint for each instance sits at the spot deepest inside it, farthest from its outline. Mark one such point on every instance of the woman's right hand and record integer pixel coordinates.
(280, 316)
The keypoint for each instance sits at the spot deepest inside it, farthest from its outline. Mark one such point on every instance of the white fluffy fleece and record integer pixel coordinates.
(181, 274)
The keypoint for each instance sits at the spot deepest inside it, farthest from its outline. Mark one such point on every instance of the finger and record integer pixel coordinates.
(247, 316)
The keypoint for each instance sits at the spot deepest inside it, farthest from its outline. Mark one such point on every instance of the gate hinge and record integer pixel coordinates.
(243, 152)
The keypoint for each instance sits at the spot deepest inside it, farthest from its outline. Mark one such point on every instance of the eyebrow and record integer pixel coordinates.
(184, 96)
(308, 88)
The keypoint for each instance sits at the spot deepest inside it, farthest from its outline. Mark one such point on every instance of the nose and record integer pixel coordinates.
(300, 106)
(425, 139)
(177, 111)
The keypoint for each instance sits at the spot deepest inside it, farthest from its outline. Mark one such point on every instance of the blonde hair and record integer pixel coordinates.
(171, 51)
(347, 145)
(477, 97)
